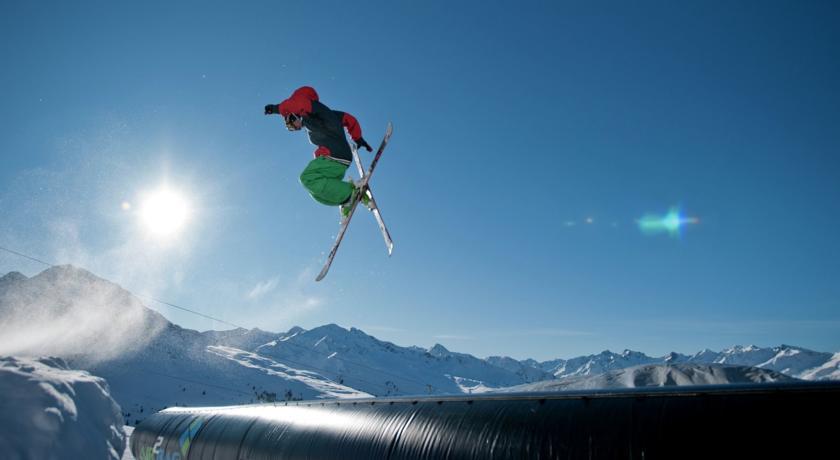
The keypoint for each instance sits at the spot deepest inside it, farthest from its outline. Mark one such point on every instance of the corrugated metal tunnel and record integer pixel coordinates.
(736, 421)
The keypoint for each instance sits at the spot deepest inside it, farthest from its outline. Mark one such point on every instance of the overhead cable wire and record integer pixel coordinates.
(27, 257)
(187, 310)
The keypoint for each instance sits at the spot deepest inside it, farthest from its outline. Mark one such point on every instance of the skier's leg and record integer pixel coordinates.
(323, 178)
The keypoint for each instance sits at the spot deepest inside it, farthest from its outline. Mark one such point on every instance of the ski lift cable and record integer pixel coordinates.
(141, 297)
(346, 361)
(26, 256)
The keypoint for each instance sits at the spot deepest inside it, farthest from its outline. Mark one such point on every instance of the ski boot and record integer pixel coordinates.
(344, 209)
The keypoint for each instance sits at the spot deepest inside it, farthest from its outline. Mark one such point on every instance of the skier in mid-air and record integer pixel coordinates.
(324, 176)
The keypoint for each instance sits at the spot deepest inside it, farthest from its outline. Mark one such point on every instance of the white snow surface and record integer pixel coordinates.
(470, 386)
(49, 411)
(326, 387)
(829, 370)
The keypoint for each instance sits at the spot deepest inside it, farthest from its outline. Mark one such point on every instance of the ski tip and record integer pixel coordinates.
(390, 249)
(321, 275)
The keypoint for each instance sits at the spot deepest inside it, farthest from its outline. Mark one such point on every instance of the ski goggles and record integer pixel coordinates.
(290, 121)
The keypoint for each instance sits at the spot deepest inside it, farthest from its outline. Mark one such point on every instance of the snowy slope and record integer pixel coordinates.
(327, 388)
(179, 367)
(704, 356)
(244, 339)
(382, 368)
(658, 375)
(48, 411)
(527, 370)
(829, 370)
(64, 310)
(149, 362)
(750, 355)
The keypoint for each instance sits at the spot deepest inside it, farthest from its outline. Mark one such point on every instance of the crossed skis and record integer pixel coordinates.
(363, 188)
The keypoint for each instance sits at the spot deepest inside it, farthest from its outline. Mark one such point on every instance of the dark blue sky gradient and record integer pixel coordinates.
(511, 120)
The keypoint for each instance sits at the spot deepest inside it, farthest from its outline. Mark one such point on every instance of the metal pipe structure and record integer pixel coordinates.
(796, 421)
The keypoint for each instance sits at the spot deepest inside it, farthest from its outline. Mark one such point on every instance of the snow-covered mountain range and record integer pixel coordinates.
(647, 375)
(151, 363)
(793, 361)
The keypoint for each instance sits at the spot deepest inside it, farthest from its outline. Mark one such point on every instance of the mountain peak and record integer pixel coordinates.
(331, 328)
(62, 308)
(295, 330)
(13, 277)
(71, 273)
(438, 351)
(628, 353)
(742, 349)
(66, 269)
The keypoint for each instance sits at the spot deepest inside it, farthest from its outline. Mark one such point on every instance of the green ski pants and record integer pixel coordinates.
(323, 178)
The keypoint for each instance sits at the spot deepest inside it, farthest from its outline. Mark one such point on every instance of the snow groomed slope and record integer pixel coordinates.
(791, 420)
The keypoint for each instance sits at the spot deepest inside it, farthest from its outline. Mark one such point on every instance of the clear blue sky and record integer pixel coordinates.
(512, 120)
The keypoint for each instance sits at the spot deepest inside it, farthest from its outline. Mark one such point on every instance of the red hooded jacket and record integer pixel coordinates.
(324, 125)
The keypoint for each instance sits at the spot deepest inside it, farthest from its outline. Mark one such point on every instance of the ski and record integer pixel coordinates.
(363, 189)
(374, 208)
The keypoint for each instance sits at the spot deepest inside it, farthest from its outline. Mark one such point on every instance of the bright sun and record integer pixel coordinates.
(164, 212)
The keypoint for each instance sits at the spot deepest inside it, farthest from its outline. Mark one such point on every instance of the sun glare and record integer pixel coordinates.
(164, 212)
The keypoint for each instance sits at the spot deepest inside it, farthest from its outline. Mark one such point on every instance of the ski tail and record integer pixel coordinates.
(374, 207)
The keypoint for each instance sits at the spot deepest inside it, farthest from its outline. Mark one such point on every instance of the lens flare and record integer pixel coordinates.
(671, 223)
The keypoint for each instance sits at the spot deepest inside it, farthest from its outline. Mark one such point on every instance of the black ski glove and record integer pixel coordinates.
(271, 109)
(361, 142)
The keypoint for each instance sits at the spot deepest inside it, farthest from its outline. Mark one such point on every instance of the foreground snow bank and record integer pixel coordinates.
(48, 411)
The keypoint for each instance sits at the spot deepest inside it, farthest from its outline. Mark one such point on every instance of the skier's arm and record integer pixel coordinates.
(352, 125)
